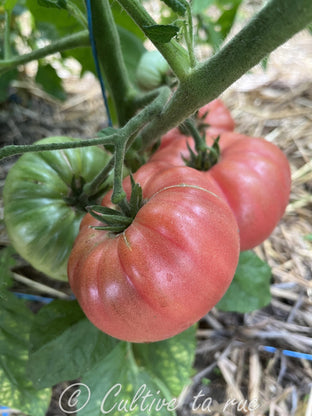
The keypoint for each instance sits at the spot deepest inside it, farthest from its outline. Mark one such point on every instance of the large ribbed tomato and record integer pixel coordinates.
(254, 176)
(164, 271)
(44, 203)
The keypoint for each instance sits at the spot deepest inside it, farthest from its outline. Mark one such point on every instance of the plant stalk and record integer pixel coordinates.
(127, 133)
(175, 54)
(111, 58)
(69, 42)
(12, 150)
(190, 35)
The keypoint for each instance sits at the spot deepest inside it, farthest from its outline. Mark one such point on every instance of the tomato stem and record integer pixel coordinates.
(128, 133)
(19, 149)
(189, 35)
(67, 42)
(111, 58)
(175, 54)
(123, 139)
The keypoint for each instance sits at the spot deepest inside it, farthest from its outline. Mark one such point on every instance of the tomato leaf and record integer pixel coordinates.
(123, 20)
(51, 83)
(250, 288)
(60, 20)
(59, 4)
(161, 33)
(177, 6)
(132, 49)
(9, 4)
(64, 344)
(158, 371)
(199, 6)
(17, 391)
(5, 80)
(6, 263)
(176, 356)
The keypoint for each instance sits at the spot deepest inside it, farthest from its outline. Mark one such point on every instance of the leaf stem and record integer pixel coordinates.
(173, 52)
(12, 150)
(91, 188)
(190, 35)
(127, 133)
(69, 42)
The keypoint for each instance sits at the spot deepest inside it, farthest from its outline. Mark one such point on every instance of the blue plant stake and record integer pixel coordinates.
(96, 61)
(289, 353)
(2, 408)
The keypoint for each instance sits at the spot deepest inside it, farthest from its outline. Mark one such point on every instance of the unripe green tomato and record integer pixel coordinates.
(152, 70)
(43, 203)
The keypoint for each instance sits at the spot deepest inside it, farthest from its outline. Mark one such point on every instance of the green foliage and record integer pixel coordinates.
(250, 288)
(59, 4)
(9, 4)
(161, 33)
(17, 391)
(54, 19)
(50, 82)
(7, 261)
(64, 344)
(177, 6)
(170, 360)
(214, 29)
(158, 371)
(59, 343)
(122, 19)
(132, 49)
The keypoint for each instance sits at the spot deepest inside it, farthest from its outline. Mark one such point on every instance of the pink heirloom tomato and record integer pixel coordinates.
(253, 175)
(168, 268)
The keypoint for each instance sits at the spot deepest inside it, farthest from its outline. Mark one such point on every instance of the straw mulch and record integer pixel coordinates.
(230, 361)
(232, 366)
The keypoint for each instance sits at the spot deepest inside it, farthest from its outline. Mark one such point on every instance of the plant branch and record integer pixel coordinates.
(140, 101)
(69, 42)
(12, 150)
(190, 34)
(111, 58)
(175, 54)
(128, 132)
(273, 25)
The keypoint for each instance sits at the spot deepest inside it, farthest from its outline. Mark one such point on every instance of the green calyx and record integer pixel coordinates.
(77, 198)
(203, 159)
(117, 220)
(204, 156)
